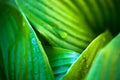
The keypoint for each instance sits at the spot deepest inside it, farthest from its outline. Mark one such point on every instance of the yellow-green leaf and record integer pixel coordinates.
(107, 63)
(59, 23)
(80, 68)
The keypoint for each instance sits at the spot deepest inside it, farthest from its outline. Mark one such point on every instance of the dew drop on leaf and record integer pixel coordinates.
(63, 34)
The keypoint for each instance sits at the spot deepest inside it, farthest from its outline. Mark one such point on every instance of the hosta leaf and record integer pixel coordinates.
(80, 68)
(72, 23)
(107, 62)
(58, 21)
(100, 14)
(60, 60)
(22, 53)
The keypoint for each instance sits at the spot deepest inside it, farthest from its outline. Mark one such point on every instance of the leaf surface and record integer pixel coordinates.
(58, 22)
(81, 66)
(107, 62)
(23, 56)
(60, 60)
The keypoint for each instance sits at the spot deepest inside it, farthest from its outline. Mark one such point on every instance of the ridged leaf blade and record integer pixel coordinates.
(60, 60)
(107, 62)
(58, 22)
(81, 66)
(23, 56)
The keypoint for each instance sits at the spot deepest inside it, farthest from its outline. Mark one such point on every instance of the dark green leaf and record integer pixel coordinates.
(22, 53)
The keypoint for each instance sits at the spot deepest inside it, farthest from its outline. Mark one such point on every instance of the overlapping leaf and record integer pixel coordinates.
(60, 59)
(72, 24)
(80, 68)
(58, 21)
(107, 63)
(23, 57)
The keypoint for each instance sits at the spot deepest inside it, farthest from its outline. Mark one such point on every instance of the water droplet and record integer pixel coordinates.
(33, 40)
(63, 34)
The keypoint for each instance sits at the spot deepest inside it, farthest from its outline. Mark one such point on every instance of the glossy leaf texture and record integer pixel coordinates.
(60, 21)
(60, 59)
(107, 63)
(81, 66)
(22, 54)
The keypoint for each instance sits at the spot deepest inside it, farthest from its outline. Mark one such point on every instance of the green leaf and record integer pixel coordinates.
(80, 68)
(60, 60)
(58, 22)
(22, 53)
(107, 62)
